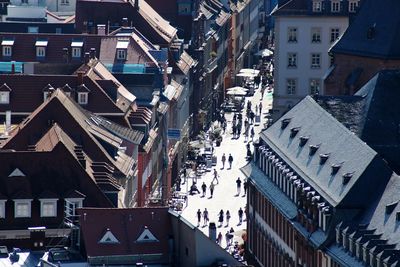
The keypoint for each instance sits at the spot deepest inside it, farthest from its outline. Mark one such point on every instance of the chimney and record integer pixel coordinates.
(8, 121)
(65, 54)
(101, 29)
(80, 77)
(92, 52)
(136, 4)
(125, 22)
(86, 57)
(12, 67)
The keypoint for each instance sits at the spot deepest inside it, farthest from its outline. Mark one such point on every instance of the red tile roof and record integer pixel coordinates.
(126, 227)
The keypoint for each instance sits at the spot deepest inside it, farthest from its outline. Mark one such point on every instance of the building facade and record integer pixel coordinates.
(304, 32)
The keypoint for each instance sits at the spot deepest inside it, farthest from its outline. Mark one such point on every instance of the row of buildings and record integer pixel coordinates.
(324, 183)
(98, 100)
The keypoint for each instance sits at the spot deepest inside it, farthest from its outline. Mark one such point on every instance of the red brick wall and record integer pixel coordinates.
(335, 84)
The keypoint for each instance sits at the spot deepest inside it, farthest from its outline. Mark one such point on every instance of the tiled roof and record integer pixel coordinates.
(291, 7)
(374, 32)
(24, 48)
(73, 119)
(126, 226)
(326, 136)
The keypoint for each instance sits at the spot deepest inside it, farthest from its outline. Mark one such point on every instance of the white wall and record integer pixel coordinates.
(60, 6)
(304, 48)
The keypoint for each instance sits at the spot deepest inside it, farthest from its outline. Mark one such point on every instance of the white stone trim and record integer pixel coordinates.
(23, 201)
(48, 201)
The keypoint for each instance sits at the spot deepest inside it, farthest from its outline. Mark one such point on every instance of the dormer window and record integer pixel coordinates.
(2, 208)
(317, 6)
(4, 97)
(48, 207)
(76, 46)
(22, 208)
(121, 54)
(71, 204)
(353, 5)
(41, 48)
(83, 98)
(7, 47)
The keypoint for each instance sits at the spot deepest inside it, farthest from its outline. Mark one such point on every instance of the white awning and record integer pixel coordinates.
(41, 43)
(76, 44)
(122, 44)
(7, 42)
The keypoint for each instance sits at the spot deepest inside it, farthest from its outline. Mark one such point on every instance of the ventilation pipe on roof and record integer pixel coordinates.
(86, 57)
(8, 122)
(101, 29)
(92, 52)
(125, 22)
(80, 77)
(12, 67)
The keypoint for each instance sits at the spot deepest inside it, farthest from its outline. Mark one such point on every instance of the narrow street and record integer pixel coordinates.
(225, 193)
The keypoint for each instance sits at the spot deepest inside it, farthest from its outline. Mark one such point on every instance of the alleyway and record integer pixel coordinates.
(225, 193)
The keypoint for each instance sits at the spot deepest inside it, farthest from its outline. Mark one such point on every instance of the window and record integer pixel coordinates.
(58, 30)
(65, 2)
(292, 35)
(317, 6)
(4, 97)
(353, 4)
(335, 6)
(83, 98)
(76, 52)
(7, 51)
(291, 86)
(48, 207)
(2, 209)
(22, 208)
(71, 204)
(184, 9)
(33, 29)
(315, 61)
(292, 60)
(315, 86)
(121, 54)
(315, 35)
(46, 95)
(334, 34)
(40, 51)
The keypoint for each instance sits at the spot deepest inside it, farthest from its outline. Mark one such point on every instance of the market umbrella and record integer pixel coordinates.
(237, 90)
(252, 71)
(246, 74)
(264, 53)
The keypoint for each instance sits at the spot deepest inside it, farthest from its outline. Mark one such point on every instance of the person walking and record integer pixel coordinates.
(224, 126)
(221, 218)
(240, 213)
(227, 236)
(211, 190)
(228, 217)
(198, 217)
(204, 188)
(223, 159)
(256, 108)
(230, 160)
(260, 107)
(215, 176)
(245, 185)
(205, 216)
(219, 238)
(252, 133)
(252, 117)
(238, 184)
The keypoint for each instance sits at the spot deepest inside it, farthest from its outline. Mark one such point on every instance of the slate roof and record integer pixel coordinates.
(291, 7)
(372, 114)
(126, 225)
(382, 19)
(269, 189)
(342, 147)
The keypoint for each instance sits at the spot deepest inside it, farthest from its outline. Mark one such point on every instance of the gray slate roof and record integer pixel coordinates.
(373, 114)
(343, 147)
(269, 189)
(385, 43)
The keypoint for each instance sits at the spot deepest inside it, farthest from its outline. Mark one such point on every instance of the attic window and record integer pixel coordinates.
(313, 149)
(335, 168)
(323, 158)
(398, 216)
(109, 238)
(17, 173)
(294, 131)
(303, 140)
(346, 177)
(147, 236)
(285, 123)
(390, 207)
